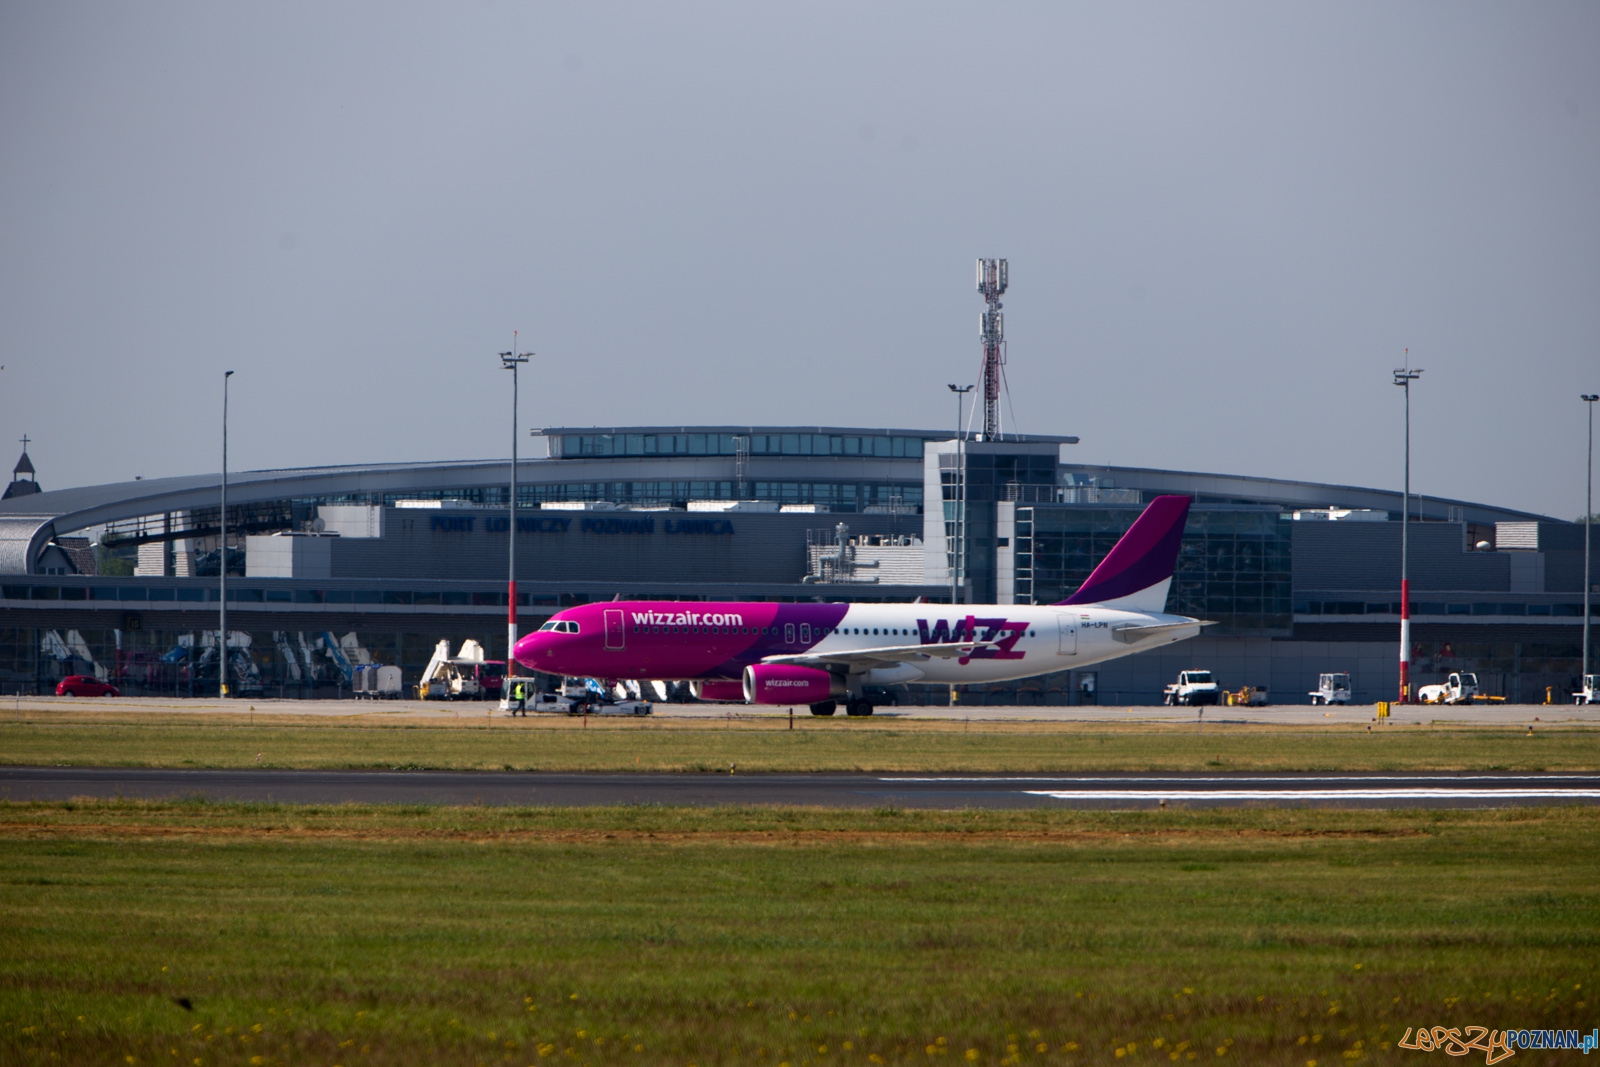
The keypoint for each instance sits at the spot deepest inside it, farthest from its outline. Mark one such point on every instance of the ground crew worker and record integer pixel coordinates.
(522, 700)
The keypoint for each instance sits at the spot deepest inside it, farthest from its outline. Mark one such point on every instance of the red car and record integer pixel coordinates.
(82, 685)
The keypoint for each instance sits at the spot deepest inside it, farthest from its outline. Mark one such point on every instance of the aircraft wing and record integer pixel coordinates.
(1132, 635)
(864, 659)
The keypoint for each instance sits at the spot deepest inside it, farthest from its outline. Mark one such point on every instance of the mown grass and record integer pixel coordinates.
(560, 744)
(371, 935)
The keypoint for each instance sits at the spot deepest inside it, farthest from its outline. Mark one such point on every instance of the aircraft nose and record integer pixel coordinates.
(527, 648)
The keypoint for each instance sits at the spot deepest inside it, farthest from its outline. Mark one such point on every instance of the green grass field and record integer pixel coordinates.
(560, 744)
(196, 934)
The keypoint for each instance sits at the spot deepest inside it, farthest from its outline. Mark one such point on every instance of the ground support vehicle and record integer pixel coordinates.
(375, 682)
(622, 707)
(591, 696)
(576, 696)
(1193, 688)
(1590, 693)
(1251, 696)
(1332, 688)
(556, 704)
(530, 690)
(83, 685)
(1460, 688)
(465, 677)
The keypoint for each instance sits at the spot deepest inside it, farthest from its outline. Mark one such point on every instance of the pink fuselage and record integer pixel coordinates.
(679, 641)
(654, 639)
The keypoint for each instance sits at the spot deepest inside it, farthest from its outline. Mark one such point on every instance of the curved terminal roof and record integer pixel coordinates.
(29, 523)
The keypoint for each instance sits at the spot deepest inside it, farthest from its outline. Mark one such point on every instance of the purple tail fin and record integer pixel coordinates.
(1138, 569)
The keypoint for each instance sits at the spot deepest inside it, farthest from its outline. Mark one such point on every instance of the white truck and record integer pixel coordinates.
(1590, 693)
(374, 682)
(1460, 688)
(450, 677)
(1192, 688)
(1332, 688)
(623, 707)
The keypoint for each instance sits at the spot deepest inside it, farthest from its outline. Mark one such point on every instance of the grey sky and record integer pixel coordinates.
(1224, 222)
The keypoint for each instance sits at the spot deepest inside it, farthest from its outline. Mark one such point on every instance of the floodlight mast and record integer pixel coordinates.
(222, 552)
(1403, 377)
(992, 279)
(1588, 527)
(511, 361)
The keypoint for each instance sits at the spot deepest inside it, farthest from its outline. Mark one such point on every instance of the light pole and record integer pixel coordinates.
(1588, 526)
(511, 361)
(1403, 377)
(222, 550)
(961, 495)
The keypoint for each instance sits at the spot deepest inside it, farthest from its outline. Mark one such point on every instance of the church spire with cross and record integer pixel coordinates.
(18, 486)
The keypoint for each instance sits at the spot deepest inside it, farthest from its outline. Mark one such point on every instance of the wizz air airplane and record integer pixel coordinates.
(827, 654)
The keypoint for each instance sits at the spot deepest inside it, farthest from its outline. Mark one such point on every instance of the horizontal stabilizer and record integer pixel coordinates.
(1132, 635)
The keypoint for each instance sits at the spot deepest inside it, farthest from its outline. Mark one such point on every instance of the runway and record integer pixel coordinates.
(1106, 791)
(471, 712)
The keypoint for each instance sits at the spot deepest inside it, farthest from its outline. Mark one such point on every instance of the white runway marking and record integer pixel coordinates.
(1305, 779)
(1316, 794)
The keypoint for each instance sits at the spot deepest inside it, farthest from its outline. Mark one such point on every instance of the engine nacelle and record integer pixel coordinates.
(717, 689)
(781, 683)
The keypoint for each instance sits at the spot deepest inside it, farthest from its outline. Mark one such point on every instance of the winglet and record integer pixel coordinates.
(1138, 570)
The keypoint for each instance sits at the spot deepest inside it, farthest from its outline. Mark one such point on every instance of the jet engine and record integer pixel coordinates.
(779, 683)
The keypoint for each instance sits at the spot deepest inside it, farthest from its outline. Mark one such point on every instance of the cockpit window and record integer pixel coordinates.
(560, 626)
(550, 625)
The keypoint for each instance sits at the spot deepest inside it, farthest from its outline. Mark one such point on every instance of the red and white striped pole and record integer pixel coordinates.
(1405, 640)
(1403, 377)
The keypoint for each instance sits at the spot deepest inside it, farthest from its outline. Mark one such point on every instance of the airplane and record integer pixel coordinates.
(827, 654)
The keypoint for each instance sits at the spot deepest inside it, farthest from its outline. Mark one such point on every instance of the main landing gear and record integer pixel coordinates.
(856, 707)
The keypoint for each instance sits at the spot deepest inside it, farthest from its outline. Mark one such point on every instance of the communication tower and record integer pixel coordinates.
(992, 330)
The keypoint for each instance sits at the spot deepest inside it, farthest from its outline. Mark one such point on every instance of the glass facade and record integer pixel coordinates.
(840, 496)
(162, 662)
(1306, 606)
(1234, 566)
(989, 477)
(578, 445)
(287, 514)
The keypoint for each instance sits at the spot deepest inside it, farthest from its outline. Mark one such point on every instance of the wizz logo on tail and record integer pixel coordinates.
(971, 628)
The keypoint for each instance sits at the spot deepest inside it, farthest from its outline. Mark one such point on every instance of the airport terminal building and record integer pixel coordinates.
(331, 566)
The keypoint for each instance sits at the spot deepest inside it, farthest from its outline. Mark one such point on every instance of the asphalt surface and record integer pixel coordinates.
(470, 711)
(1104, 791)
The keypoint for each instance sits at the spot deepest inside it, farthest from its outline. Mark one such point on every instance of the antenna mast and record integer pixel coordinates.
(992, 330)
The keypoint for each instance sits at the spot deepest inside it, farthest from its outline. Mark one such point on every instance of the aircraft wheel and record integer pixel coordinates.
(859, 708)
(824, 707)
